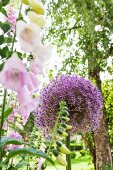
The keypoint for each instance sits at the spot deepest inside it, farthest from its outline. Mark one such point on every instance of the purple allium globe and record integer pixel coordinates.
(83, 99)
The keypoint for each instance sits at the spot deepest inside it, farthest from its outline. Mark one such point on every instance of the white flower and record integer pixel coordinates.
(28, 34)
(36, 18)
(42, 53)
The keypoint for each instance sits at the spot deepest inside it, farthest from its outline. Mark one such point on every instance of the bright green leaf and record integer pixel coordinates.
(30, 151)
(1, 23)
(4, 52)
(2, 39)
(20, 164)
(6, 141)
(5, 2)
(7, 113)
(12, 168)
(1, 66)
(6, 26)
(8, 39)
(3, 11)
(0, 4)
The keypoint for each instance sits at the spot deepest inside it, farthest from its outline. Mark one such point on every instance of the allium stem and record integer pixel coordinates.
(68, 156)
(1, 123)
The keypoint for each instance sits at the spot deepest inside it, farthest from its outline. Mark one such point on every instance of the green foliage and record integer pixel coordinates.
(2, 39)
(81, 30)
(6, 26)
(107, 88)
(1, 66)
(6, 141)
(20, 164)
(73, 155)
(3, 11)
(5, 2)
(7, 113)
(4, 52)
(83, 152)
(29, 151)
(107, 168)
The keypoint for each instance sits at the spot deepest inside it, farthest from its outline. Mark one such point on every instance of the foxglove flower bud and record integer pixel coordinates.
(61, 132)
(67, 127)
(62, 148)
(65, 118)
(36, 18)
(59, 158)
(27, 2)
(65, 113)
(37, 6)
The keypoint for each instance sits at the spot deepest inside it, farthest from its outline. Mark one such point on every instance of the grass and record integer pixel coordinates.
(79, 163)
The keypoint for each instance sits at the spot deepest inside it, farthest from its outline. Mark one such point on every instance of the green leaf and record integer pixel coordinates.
(3, 11)
(19, 55)
(1, 23)
(2, 39)
(1, 66)
(5, 2)
(0, 4)
(6, 26)
(7, 112)
(6, 141)
(8, 39)
(20, 164)
(4, 52)
(11, 168)
(30, 151)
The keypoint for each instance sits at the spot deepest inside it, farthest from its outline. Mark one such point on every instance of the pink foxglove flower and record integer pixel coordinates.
(36, 68)
(12, 18)
(5, 125)
(40, 163)
(28, 34)
(14, 74)
(41, 160)
(15, 135)
(11, 117)
(27, 103)
(33, 82)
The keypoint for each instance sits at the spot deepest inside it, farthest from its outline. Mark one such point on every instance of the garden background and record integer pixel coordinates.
(80, 33)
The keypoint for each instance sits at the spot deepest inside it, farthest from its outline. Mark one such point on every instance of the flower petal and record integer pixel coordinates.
(37, 6)
(36, 18)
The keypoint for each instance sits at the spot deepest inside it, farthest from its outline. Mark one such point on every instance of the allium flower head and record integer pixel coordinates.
(83, 99)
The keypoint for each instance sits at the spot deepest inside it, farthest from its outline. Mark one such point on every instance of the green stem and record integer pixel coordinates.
(4, 99)
(1, 123)
(54, 132)
(68, 157)
(2, 115)
(15, 28)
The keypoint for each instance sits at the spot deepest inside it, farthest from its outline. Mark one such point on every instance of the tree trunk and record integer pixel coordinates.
(102, 146)
(90, 145)
(101, 136)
